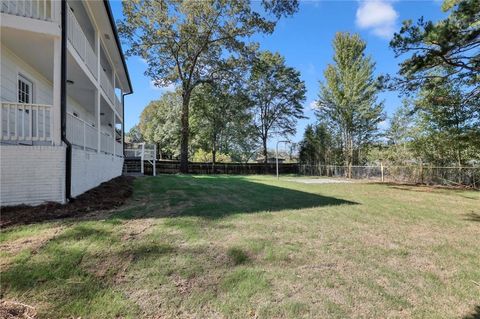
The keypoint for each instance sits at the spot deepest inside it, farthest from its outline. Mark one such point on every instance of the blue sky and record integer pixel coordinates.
(305, 42)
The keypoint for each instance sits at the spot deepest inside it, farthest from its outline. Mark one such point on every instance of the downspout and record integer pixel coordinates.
(63, 103)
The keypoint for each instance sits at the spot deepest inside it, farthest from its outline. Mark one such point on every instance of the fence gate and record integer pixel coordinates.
(141, 154)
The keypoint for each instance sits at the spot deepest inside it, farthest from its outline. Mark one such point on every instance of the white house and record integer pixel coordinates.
(63, 78)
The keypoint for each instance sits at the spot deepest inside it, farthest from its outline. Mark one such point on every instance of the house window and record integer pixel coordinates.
(25, 90)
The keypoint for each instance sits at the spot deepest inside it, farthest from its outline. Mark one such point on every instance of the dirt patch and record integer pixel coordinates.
(111, 266)
(321, 180)
(108, 195)
(33, 243)
(136, 228)
(12, 309)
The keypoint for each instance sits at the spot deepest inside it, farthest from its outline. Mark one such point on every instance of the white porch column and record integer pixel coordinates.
(55, 115)
(98, 124)
(98, 96)
(114, 133)
(123, 129)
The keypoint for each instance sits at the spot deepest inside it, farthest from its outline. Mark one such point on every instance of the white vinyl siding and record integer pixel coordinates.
(12, 68)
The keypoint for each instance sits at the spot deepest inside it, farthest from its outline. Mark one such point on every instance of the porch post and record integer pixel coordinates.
(123, 128)
(97, 97)
(55, 114)
(114, 133)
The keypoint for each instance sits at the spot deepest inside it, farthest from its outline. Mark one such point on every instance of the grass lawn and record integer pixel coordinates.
(240, 247)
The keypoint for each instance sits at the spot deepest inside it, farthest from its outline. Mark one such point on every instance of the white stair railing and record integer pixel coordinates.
(25, 122)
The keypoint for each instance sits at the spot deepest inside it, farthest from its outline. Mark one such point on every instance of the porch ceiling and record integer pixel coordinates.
(82, 89)
(33, 48)
(106, 110)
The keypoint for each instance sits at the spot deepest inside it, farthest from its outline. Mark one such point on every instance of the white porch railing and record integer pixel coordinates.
(106, 143)
(25, 122)
(118, 106)
(79, 41)
(36, 9)
(107, 86)
(81, 133)
(118, 149)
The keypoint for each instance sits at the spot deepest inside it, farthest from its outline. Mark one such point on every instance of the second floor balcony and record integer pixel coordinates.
(35, 9)
(90, 58)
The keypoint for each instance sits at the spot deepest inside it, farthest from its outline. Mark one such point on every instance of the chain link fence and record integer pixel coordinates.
(421, 174)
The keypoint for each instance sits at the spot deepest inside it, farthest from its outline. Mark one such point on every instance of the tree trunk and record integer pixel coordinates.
(214, 156)
(265, 155)
(350, 159)
(185, 133)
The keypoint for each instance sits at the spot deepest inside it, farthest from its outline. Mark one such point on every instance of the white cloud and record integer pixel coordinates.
(313, 105)
(377, 15)
(168, 88)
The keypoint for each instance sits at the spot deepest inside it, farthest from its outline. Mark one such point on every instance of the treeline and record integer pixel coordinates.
(439, 120)
(231, 96)
(229, 120)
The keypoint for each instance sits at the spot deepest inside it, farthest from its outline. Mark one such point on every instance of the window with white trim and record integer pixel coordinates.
(25, 90)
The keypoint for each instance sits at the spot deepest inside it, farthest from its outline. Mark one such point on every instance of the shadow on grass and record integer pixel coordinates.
(474, 315)
(472, 217)
(213, 197)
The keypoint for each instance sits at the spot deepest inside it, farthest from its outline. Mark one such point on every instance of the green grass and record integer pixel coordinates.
(237, 247)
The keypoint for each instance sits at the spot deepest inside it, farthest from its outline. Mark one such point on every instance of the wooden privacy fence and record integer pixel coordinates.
(173, 167)
(414, 174)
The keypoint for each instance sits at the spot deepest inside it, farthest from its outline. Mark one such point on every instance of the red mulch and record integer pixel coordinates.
(106, 196)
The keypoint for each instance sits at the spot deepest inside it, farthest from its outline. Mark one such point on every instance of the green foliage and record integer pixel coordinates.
(277, 94)
(448, 125)
(451, 44)
(202, 156)
(215, 110)
(318, 145)
(348, 96)
(193, 42)
(437, 128)
(134, 135)
(160, 124)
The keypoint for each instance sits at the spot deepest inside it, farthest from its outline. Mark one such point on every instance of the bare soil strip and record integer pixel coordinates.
(106, 196)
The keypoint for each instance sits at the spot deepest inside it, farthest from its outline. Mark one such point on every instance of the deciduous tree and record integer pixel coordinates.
(193, 42)
(277, 93)
(160, 124)
(215, 108)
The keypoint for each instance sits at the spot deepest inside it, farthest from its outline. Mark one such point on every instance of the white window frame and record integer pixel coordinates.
(26, 80)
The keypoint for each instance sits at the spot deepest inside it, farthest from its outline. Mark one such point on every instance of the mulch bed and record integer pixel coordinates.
(106, 196)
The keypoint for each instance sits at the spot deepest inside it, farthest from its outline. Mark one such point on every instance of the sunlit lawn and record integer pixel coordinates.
(239, 247)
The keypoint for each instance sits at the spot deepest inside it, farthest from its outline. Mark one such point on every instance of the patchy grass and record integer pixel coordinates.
(237, 247)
